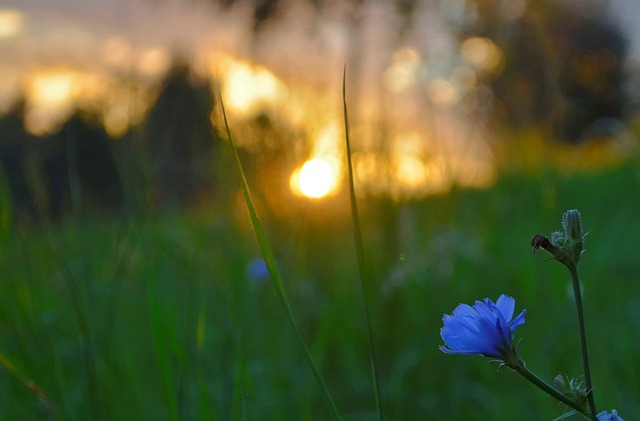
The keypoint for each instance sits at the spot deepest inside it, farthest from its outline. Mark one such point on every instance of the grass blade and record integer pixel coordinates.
(267, 255)
(160, 338)
(357, 233)
(85, 334)
(29, 384)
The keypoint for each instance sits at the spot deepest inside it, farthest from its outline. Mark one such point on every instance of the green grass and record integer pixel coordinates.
(274, 272)
(175, 329)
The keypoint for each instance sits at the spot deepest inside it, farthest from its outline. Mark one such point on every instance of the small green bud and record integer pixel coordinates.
(572, 388)
(562, 382)
(573, 237)
(572, 225)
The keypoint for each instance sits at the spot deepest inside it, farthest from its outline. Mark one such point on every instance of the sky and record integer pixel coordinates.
(96, 33)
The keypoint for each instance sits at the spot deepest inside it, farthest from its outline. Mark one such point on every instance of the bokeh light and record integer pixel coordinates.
(482, 53)
(11, 23)
(246, 87)
(315, 179)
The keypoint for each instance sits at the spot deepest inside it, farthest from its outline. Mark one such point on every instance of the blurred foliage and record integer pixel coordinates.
(179, 139)
(169, 161)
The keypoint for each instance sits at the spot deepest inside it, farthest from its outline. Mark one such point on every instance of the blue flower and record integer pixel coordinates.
(605, 416)
(257, 270)
(485, 329)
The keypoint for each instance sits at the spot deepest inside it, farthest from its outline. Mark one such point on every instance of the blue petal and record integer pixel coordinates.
(485, 308)
(506, 305)
(605, 416)
(519, 320)
(464, 310)
(464, 333)
(477, 335)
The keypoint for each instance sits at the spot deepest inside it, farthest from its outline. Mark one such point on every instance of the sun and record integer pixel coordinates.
(315, 179)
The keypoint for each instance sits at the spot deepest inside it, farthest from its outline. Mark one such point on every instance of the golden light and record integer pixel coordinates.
(51, 89)
(315, 179)
(122, 109)
(415, 172)
(247, 87)
(442, 93)
(482, 53)
(117, 52)
(371, 172)
(11, 23)
(49, 97)
(53, 94)
(402, 74)
(410, 171)
(154, 61)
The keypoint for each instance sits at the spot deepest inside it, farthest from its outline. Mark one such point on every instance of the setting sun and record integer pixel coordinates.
(315, 179)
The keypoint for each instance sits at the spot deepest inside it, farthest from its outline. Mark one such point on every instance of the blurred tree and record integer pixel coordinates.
(14, 143)
(591, 74)
(180, 140)
(72, 168)
(563, 65)
(79, 168)
(528, 88)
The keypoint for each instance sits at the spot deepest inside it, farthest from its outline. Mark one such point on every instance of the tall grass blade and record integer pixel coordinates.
(160, 338)
(29, 384)
(87, 347)
(357, 233)
(267, 255)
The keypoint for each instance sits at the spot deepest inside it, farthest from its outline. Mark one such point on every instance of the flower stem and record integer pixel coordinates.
(575, 281)
(551, 391)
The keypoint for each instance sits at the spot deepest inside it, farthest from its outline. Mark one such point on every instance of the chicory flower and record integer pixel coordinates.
(485, 329)
(605, 416)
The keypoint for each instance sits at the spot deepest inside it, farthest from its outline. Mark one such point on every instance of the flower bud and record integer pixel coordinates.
(572, 225)
(562, 382)
(573, 237)
(572, 388)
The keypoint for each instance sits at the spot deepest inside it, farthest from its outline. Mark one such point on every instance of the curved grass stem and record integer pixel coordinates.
(357, 233)
(274, 273)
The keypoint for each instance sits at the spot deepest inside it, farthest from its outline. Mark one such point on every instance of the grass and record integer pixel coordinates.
(176, 329)
(274, 272)
(365, 278)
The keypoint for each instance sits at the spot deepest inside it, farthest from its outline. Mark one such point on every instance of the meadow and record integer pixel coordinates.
(154, 316)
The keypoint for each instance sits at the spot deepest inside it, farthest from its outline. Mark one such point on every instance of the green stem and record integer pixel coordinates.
(575, 281)
(551, 391)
